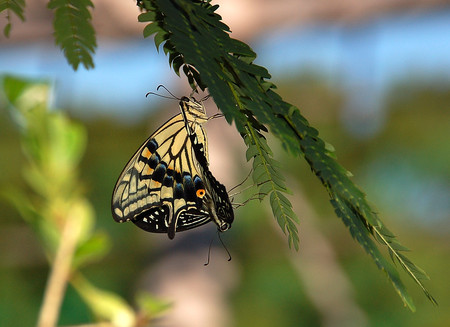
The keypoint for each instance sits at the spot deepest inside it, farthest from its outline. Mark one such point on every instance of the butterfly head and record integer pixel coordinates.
(224, 226)
(222, 217)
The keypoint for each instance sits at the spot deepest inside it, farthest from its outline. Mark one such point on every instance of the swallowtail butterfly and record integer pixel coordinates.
(167, 186)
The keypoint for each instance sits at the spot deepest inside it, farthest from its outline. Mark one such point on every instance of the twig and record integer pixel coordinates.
(60, 269)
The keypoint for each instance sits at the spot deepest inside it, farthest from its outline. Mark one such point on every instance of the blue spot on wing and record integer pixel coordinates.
(189, 189)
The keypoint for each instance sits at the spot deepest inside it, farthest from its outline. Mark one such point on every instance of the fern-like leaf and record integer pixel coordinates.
(270, 181)
(351, 206)
(416, 273)
(12, 7)
(74, 32)
(195, 39)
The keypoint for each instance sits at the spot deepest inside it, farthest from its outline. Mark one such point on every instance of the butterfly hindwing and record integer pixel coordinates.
(221, 205)
(153, 219)
(156, 185)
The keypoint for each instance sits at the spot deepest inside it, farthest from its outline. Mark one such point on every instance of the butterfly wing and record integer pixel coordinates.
(216, 201)
(161, 188)
(167, 186)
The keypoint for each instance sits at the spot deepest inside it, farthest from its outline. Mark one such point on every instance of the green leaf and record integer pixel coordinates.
(73, 31)
(359, 231)
(271, 182)
(160, 38)
(22, 203)
(416, 273)
(151, 29)
(93, 249)
(104, 304)
(147, 17)
(91, 245)
(151, 306)
(10, 7)
(7, 30)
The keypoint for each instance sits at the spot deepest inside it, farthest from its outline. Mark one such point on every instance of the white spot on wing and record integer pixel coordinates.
(118, 212)
(133, 207)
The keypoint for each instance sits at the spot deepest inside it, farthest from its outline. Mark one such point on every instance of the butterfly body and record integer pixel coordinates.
(167, 186)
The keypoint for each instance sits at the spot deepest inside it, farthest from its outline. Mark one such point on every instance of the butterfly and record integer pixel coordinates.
(167, 186)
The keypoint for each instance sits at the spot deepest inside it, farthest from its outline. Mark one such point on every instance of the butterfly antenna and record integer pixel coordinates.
(167, 90)
(224, 246)
(160, 95)
(163, 96)
(209, 251)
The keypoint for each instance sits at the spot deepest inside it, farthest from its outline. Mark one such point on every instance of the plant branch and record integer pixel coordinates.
(59, 275)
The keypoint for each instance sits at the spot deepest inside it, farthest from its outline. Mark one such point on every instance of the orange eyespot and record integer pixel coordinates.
(201, 193)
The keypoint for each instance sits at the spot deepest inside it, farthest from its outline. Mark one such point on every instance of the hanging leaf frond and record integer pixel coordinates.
(73, 31)
(10, 7)
(267, 176)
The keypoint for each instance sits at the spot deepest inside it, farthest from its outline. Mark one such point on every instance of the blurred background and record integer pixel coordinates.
(373, 77)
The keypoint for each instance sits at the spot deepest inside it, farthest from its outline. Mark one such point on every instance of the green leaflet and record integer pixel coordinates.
(196, 38)
(15, 7)
(270, 181)
(359, 232)
(74, 32)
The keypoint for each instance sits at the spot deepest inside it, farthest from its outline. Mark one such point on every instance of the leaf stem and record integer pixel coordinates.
(59, 275)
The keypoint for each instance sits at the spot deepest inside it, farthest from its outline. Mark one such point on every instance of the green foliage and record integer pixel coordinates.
(152, 306)
(54, 204)
(73, 31)
(53, 147)
(105, 305)
(271, 182)
(195, 39)
(12, 6)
